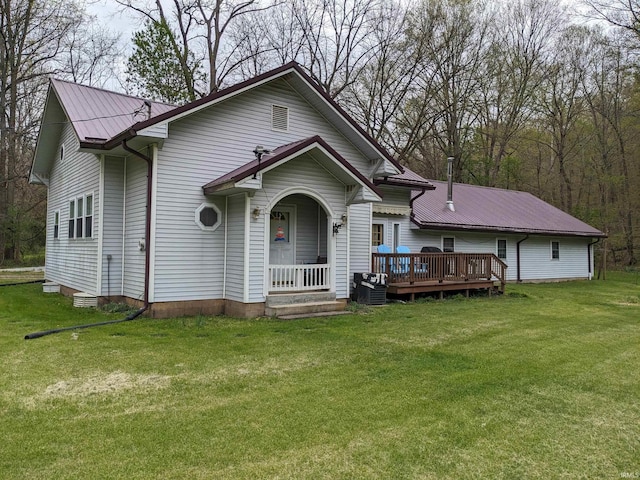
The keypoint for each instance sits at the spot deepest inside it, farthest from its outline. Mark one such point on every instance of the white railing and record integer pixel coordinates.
(296, 278)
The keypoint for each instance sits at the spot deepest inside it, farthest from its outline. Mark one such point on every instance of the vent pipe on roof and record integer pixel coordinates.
(450, 184)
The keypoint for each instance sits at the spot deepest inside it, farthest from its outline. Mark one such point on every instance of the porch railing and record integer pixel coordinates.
(297, 278)
(428, 267)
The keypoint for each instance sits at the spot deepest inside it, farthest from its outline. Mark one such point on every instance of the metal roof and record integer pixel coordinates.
(286, 152)
(98, 115)
(494, 209)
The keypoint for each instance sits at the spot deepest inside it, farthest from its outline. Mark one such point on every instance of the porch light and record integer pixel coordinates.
(338, 226)
(259, 151)
(256, 213)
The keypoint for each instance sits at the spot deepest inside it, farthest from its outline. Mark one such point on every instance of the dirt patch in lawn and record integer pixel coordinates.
(104, 384)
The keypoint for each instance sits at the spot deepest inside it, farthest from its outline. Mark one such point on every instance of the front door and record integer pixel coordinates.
(282, 236)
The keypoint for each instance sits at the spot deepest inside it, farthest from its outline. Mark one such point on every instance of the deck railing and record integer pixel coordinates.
(298, 278)
(428, 267)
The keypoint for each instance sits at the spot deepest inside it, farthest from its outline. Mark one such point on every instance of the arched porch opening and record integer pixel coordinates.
(299, 248)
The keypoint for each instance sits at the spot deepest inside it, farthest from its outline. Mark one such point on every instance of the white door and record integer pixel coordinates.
(282, 236)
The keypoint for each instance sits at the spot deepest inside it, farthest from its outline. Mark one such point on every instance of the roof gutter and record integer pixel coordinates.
(147, 227)
(518, 256)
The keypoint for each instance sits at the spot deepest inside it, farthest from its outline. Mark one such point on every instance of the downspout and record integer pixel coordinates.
(589, 255)
(414, 199)
(518, 256)
(147, 227)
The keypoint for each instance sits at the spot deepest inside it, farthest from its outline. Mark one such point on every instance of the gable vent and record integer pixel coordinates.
(279, 118)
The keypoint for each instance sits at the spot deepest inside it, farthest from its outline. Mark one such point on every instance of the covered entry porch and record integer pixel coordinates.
(299, 237)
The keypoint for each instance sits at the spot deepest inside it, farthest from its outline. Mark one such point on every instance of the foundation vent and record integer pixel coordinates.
(84, 300)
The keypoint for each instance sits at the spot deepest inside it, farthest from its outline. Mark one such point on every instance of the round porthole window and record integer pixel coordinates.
(208, 217)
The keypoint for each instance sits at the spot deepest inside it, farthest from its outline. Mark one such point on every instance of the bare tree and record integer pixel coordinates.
(608, 96)
(561, 103)
(32, 35)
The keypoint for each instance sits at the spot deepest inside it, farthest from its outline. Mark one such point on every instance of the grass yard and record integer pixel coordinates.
(540, 383)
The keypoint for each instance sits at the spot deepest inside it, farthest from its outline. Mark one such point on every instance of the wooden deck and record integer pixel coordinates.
(411, 273)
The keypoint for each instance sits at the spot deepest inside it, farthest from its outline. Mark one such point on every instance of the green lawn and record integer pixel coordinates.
(540, 383)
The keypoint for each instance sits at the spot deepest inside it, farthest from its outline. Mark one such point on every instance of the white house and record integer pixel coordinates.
(261, 195)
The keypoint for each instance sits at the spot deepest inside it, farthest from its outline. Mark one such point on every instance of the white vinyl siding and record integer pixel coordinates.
(235, 248)
(112, 233)
(359, 225)
(135, 213)
(72, 262)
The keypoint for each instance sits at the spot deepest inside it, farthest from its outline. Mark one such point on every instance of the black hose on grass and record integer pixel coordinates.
(21, 283)
(78, 327)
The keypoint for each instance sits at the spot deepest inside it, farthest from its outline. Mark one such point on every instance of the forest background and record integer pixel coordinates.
(533, 95)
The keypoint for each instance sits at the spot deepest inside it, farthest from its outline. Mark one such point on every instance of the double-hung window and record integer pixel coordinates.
(448, 244)
(555, 250)
(81, 217)
(377, 234)
(502, 248)
(88, 216)
(56, 224)
(72, 218)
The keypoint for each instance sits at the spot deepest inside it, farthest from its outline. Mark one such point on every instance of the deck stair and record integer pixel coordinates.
(297, 305)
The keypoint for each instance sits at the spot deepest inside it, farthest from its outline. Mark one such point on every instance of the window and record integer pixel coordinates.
(396, 236)
(88, 216)
(56, 224)
(279, 118)
(208, 217)
(79, 209)
(377, 234)
(555, 250)
(502, 248)
(72, 218)
(81, 217)
(448, 244)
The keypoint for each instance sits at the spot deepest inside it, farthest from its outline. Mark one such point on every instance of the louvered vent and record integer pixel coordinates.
(279, 118)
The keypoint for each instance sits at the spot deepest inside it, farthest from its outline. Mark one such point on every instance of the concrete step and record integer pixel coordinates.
(301, 297)
(313, 315)
(305, 309)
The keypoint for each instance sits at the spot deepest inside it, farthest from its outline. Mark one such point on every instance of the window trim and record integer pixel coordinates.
(203, 226)
(442, 243)
(498, 240)
(555, 258)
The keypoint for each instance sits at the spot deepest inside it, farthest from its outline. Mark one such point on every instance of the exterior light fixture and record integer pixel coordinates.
(256, 213)
(259, 151)
(338, 226)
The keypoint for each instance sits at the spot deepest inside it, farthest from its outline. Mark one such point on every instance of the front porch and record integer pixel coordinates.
(411, 273)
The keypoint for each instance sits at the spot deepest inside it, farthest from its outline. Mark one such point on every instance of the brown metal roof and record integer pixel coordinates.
(494, 209)
(98, 115)
(279, 154)
(406, 179)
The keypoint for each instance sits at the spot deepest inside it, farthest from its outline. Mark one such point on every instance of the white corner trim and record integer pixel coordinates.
(152, 234)
(100, 228)
(247, 246)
